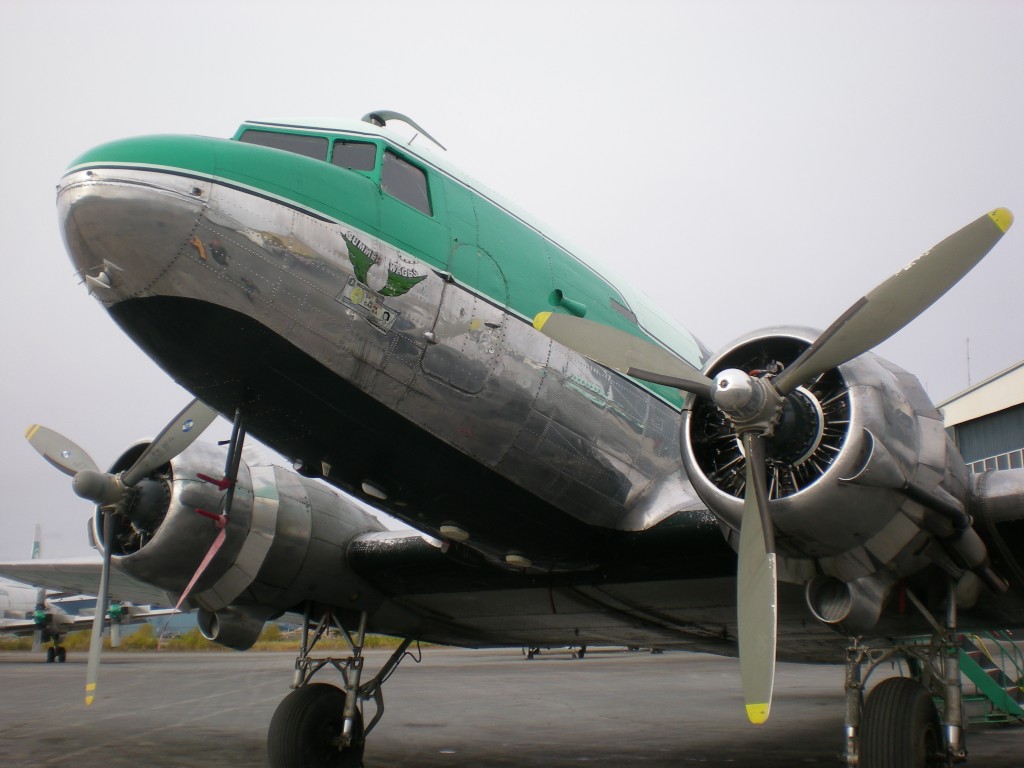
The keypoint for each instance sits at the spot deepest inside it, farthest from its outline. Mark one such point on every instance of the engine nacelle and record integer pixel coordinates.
(286, 541)
(864, 485)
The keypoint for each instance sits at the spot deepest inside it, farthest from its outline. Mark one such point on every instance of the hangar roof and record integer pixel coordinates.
(996, 393)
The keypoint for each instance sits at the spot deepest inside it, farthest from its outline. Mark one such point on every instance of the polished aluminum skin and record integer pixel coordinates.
(584, 439)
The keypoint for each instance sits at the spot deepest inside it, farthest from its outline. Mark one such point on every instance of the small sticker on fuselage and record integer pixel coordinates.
(377, 313)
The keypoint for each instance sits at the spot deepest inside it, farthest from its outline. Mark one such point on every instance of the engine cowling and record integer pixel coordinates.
(864, 485)
(286, 541)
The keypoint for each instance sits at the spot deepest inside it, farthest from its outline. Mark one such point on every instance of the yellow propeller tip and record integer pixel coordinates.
(757, 713)
(1002, 218)
(32, 429)
(540, 319)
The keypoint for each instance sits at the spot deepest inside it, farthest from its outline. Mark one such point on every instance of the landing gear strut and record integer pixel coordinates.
(319, 725)
(898, 725)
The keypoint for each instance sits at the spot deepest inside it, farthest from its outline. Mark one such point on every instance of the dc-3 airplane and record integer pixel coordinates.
(49, 617)
(580, 470)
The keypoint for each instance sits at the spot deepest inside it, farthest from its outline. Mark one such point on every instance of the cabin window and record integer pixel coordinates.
(301, 144)
(357, 155)
(405, 181)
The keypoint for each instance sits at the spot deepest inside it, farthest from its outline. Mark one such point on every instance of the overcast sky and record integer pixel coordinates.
(746, 163)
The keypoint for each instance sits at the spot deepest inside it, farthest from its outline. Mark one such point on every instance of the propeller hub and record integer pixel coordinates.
(735, 393)
(98, 487)
(751, 404)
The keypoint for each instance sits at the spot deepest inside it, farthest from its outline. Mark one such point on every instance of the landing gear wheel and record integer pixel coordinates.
(900, 727)
(62, 654)
(51, 654)
(305, 729)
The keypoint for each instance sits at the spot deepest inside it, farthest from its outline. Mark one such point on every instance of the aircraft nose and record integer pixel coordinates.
(126, 208)
(122, 227)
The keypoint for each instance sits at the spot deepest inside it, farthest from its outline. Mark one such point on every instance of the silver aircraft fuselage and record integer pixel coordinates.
(583, 440)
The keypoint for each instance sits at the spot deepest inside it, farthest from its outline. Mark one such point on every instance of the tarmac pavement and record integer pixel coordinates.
(456, 709)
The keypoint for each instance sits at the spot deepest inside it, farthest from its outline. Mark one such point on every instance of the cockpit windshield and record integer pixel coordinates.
(299, 143)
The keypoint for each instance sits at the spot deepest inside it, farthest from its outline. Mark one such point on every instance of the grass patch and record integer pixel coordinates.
(145, 638)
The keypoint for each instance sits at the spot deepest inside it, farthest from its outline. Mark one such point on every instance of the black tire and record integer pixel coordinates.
(62, 654)
(51, 654)
(899, 726)
(305, 727)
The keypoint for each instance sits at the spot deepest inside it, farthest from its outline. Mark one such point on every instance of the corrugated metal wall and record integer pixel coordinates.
(991, 435)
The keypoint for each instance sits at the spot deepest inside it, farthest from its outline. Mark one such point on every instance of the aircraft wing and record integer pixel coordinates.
(451, 599)
(82, 576)
(133, 614)
(25, 628)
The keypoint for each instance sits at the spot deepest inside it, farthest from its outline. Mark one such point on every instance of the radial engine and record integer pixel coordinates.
(285, 545)
(865, 487)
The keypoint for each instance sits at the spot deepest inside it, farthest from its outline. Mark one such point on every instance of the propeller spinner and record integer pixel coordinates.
(754, 403)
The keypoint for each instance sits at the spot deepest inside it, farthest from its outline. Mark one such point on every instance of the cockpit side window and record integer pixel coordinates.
(301, 144)
(356, 155)
(405, 181)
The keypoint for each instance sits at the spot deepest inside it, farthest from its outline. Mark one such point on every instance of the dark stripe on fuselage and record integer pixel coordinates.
(218, 180)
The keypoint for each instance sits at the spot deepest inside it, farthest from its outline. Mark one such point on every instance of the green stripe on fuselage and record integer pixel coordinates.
(484, 246)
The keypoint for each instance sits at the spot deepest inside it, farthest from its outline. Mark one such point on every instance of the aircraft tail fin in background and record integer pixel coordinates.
(37, 543)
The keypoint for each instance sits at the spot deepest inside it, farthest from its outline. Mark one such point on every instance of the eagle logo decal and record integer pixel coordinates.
(393, 276)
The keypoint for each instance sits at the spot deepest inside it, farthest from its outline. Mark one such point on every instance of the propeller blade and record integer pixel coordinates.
(221, 523)
(59, 450)
(897, 301)
(96, 642)
(756, 591)
(175, 438)
(623, 352)
(37, 640)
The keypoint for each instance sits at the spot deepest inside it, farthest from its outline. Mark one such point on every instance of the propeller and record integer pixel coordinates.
(754, 404)
(113, 493)
(893, 304)
(756, 587)
(623, 352)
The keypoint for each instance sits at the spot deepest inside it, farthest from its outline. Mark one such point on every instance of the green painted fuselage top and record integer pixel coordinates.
(375, 180)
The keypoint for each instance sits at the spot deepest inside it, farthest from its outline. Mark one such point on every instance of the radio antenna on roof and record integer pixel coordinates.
(381, 117)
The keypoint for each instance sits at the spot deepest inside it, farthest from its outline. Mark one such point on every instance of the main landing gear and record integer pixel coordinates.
(899, 726)
(319, 725)
(56, 653)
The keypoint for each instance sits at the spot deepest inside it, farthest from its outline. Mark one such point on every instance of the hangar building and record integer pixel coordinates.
(986, 421)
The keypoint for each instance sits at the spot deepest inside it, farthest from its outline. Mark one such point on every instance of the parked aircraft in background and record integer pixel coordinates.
(581, 471)
(49, 616)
